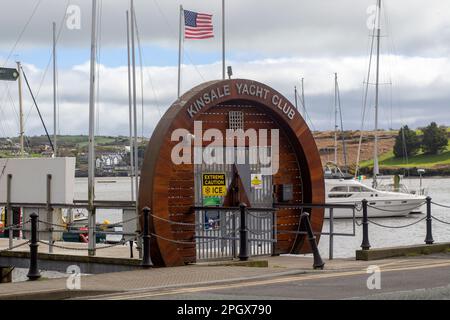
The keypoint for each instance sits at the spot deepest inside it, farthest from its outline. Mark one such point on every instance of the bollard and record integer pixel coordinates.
(33, 272)
(146, 260)
(331, 236)
(274, 234)
(131, 249)
(9, 210)
(429, 236)
(318, 262)
(243, 234)
(6, 274)
(365, 245)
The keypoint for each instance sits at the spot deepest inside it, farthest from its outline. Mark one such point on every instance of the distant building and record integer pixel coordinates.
(108, 162)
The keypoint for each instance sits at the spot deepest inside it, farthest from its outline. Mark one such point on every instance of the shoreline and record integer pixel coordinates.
(410, 172)
(368, 173)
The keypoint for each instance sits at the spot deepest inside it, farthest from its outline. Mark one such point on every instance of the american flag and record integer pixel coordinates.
(197, 25)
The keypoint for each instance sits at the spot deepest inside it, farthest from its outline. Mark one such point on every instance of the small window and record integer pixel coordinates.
(355, 189)
(339, 195)
(339, 189)
(236, 120)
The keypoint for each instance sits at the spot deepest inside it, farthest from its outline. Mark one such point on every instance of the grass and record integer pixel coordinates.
(79, 141)
(419, 160)
(11, 155)
(381, 158)
(5, 154)
(98, 141)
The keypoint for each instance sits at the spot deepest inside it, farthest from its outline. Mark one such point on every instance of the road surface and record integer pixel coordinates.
(405, 279)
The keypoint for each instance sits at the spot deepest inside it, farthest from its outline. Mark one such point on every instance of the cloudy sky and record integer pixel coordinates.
(275, 42)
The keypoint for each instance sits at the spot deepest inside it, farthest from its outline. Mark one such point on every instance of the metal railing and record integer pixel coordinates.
(220, 237)
(63, 228)
(216, 242)
(268, 235)
(331, 234)
(251, 227)
(34, 242)
(365, 244)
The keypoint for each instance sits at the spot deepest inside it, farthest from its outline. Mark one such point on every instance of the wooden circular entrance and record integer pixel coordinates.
(170, 189)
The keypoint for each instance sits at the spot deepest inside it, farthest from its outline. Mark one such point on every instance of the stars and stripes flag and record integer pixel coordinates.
(197, 25)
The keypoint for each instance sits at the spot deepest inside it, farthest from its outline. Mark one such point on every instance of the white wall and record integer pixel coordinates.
(29, 180)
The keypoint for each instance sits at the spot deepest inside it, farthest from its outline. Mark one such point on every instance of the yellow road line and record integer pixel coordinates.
(272, 281)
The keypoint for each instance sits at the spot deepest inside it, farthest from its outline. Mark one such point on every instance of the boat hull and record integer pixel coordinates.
(378, 208)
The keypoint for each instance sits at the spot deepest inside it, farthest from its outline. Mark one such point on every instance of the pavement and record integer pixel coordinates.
(286, 277)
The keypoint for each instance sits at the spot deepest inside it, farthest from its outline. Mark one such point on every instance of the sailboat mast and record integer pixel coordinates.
(21, 123)
(133, 68)
(303, 101)
(344, 147)
(54, 92)
(91, 152)
(335, 120)
(376, 170)
(130, 110)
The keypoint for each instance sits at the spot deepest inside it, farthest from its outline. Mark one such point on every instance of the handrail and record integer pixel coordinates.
(77, 204)
(206, 208)
(315, 205)
(280, 206)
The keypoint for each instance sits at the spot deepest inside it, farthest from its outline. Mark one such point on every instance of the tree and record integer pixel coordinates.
(406, 143)
(434, 139)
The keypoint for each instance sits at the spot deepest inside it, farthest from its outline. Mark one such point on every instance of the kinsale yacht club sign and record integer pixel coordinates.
(244, 89)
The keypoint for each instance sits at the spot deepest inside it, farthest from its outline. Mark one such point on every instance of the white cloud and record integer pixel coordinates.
(275, 42)
(419, 83)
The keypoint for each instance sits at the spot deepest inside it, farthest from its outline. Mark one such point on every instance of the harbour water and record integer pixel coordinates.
(344, 247)
(116, 189)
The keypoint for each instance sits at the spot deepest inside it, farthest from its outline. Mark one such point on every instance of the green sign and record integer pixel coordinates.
(211, 201)
(8, 74)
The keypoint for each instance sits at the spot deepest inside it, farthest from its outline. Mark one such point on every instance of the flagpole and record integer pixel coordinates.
(295, 97)
(179, 50)
(223, 39)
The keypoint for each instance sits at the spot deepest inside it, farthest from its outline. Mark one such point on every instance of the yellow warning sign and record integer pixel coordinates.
(256, 181)
(214, 185)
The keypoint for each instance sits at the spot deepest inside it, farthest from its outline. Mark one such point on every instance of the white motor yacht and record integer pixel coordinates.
(380, 203)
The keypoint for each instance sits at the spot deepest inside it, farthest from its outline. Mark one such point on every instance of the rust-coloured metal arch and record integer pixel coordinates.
(158, 185)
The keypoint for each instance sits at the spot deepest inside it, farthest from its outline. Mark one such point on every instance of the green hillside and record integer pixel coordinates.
(388, 160)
